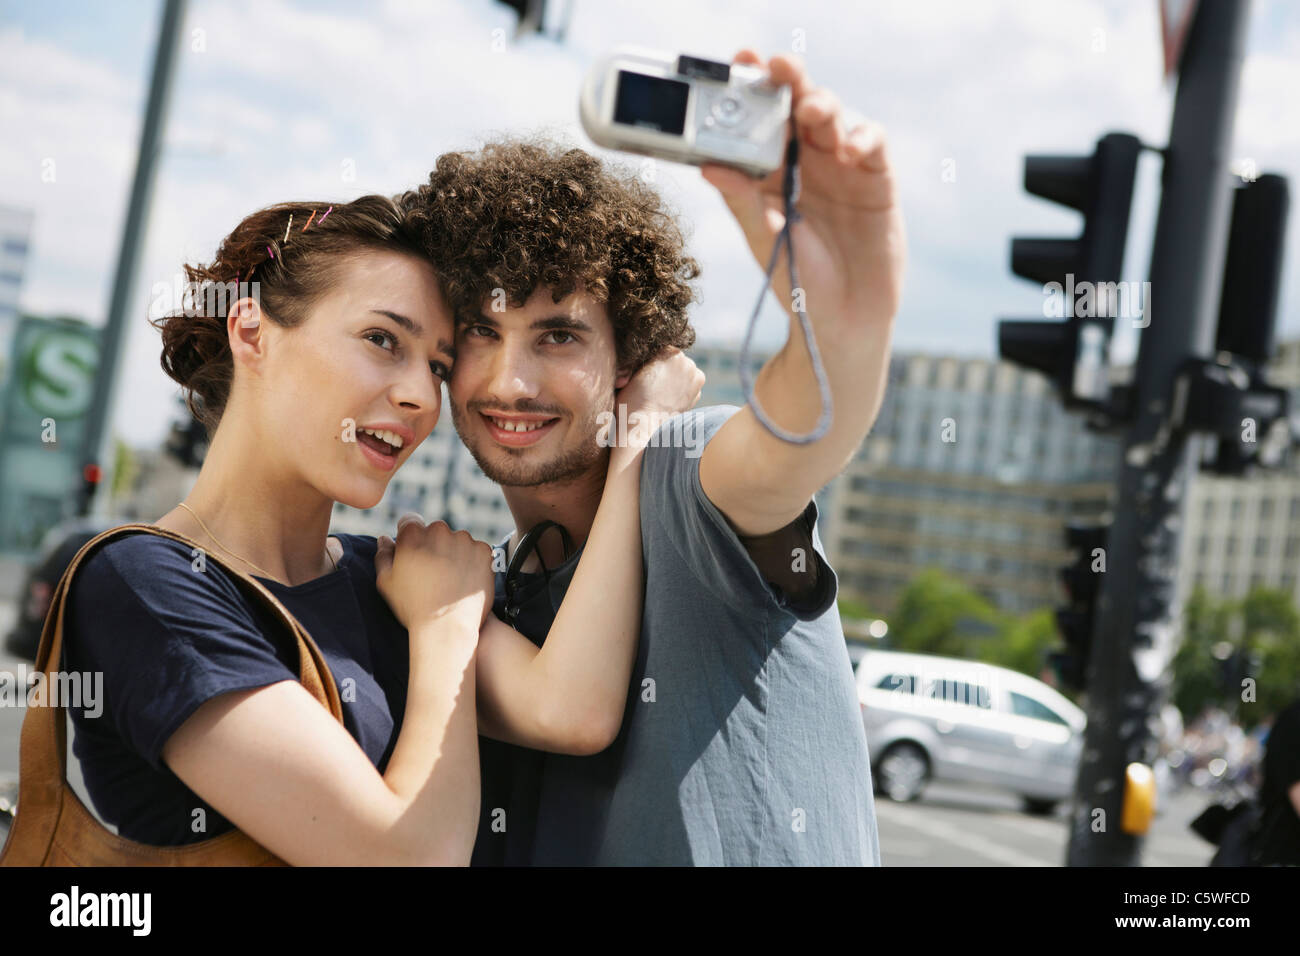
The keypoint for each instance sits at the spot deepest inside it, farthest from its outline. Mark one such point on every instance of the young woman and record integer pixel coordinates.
(316, 386)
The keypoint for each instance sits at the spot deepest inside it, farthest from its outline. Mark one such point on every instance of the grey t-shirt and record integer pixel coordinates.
(742, 742)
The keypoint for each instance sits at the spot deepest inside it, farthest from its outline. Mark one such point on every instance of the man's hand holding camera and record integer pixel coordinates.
(850, 253)
(849, 242)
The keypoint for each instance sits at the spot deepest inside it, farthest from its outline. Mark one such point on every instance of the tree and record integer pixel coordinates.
(1196, 673)
(851, 610)
(1227, 641)
(126, 468)
(1024, 643)
(940, 614)
(1271, 640)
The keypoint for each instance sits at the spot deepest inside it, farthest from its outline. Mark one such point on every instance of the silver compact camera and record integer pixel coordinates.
(686, 109)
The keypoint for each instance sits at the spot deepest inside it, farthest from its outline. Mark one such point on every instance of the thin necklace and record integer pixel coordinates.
(265, 573)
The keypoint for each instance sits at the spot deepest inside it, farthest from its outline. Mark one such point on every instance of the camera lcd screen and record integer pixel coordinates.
(651, 101)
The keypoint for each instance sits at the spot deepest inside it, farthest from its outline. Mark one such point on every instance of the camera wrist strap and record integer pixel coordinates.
(790, 195)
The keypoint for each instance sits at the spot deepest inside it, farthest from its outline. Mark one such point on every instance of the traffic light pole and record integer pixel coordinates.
(1136, 619)
(137, 214)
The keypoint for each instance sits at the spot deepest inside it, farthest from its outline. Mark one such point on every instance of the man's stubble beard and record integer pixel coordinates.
(509, 470)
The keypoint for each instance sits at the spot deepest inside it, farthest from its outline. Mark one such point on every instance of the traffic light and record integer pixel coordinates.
(1074, 353)
(1252, 272)
(188, 442)
(1252, 275)
(1075, 621)
(531, 13)
(91, 475)
(1235, 668)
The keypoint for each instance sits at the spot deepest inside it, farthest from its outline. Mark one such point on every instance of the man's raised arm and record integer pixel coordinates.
(850, 255)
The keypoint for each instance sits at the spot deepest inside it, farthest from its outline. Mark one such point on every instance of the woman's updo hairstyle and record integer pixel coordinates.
(285, 276)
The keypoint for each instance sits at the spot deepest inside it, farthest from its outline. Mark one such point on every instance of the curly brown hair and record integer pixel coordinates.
(526, 212)
(286, 278)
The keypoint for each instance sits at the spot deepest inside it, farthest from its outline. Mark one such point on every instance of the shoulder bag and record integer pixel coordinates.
(52, 826)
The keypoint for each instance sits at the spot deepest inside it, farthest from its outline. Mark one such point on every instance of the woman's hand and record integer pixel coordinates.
(431, 571)
(661, 389)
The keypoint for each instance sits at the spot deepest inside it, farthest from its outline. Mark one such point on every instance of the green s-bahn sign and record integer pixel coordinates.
(43, 428)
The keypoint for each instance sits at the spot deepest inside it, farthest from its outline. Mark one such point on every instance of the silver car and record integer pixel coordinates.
(941, 718)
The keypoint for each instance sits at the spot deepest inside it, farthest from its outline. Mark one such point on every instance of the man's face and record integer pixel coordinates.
(529, 385)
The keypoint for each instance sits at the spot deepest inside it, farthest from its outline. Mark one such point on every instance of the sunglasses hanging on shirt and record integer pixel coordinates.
(527, 545)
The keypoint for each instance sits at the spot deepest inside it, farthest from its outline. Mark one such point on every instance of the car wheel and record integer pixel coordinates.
(1040, 808)
(902, 772)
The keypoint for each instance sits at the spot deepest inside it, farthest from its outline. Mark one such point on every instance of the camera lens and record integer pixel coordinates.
(728, 110)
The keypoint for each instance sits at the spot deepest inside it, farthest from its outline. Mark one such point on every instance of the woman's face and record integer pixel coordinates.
(371, 357)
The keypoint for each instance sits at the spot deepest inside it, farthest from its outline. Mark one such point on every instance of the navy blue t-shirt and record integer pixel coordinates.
(168, 637)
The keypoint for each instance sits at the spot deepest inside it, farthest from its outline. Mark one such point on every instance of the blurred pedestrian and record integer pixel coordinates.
(1278, 839)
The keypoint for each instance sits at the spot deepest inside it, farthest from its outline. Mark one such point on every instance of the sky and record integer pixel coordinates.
(277, 100)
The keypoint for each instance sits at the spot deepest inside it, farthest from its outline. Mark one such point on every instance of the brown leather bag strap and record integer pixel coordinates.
(40, 780)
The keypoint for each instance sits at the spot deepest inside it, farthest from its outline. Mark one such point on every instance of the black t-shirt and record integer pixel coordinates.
(1280, 840)
(169, 637)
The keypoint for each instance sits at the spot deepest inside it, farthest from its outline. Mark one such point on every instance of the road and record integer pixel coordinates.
(11, 719)
(958, 826)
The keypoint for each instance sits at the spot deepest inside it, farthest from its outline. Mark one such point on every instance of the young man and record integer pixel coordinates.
(742, 740)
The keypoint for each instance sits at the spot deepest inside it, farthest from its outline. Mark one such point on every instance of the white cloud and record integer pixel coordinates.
(284, 93)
